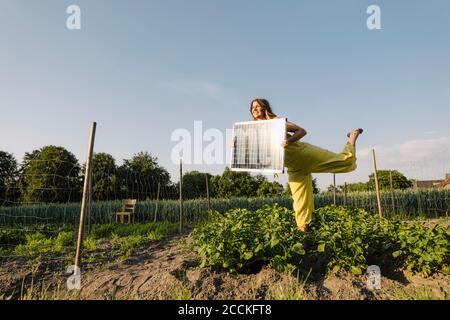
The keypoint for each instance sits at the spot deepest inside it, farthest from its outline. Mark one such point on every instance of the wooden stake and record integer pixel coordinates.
(345, 193)
(157, 201)
(89, 209)
(181, 196)
(84, 201)
(377, 187)
(392, 193)
(334, 189)
(207, 192)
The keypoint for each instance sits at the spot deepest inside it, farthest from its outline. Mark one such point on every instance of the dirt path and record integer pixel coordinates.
(169, 270)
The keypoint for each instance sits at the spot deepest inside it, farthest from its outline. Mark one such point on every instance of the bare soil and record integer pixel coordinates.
(169, 269)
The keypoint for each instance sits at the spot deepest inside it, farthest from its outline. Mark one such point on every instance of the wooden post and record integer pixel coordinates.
(377, 187)
(181, 196)
(84, 201)
(334, 189)
(392, 193)
(207, 192)
(345, 193)
(89, 209)
(157, 201)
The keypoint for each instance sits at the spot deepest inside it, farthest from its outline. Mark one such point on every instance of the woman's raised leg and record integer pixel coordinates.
(322, 160)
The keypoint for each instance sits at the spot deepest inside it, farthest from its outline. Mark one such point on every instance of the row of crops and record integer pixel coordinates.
(407, 203)
(430, 203)
(340, 238)
(52, 240)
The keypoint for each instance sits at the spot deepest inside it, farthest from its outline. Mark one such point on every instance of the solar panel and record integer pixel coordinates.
(257, 146)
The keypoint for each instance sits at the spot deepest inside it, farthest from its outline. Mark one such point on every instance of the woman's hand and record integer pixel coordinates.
(285, 143)
(232, 142)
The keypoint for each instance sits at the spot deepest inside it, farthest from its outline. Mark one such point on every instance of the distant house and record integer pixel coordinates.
(433, 183)
(446, 183)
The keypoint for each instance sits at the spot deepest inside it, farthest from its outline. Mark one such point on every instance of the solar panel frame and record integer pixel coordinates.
(264, 156)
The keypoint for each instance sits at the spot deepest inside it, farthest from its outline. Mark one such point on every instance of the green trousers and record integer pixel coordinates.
(302, 159)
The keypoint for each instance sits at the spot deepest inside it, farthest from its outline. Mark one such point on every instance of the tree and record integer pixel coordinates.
(50, 174)
(140, 175)
(356, 187)
(8, 178)
(234, 184)
(316, 190)
(194, 185)
(267, 189)
(287, 190)
(338, 188)
(399, 181)
(104, 177)
(243, 184)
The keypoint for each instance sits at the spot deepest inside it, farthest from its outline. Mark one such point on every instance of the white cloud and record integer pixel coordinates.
(422, 159)
(419, 151)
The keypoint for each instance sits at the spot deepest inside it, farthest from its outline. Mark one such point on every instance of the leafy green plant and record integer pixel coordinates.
(348, 236)
(128, 237)
(63, 240)
(343, 238)
(12, 236)
(36, 243)
(423, 250)
(91, 244)
(242, 240)
(342, 235)
(127, 244)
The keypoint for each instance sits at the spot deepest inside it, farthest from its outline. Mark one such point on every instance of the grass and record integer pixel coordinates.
(157, 230)
(181, 292)
(52, 242)
(129, 237)
(294, 289)
(46, 292)
(291, 291)
(419, 294)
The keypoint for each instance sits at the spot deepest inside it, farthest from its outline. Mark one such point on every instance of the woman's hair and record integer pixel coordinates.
(266, 106)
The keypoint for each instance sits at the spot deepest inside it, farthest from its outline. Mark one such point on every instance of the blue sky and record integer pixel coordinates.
(143, 69)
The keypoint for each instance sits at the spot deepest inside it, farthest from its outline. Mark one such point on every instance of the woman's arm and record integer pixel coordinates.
(299, 133)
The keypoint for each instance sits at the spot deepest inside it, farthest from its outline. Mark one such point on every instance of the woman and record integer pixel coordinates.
(301, 159)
